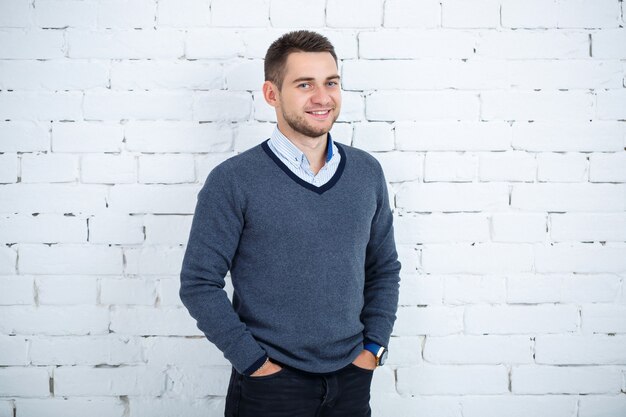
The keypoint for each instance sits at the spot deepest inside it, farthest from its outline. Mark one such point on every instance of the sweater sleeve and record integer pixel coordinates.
(213, 240)
(382, 273)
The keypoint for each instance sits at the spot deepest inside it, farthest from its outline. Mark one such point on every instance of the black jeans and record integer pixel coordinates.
(294, 393)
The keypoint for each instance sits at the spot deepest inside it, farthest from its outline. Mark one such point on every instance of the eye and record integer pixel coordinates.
(333, 83)
(303, 85)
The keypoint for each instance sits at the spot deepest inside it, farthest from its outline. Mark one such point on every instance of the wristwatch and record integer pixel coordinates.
(380, 352)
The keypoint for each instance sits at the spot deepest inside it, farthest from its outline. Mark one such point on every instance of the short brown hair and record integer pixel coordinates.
(296, 41)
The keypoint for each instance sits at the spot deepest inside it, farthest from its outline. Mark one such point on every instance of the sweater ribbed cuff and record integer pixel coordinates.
(256, 365)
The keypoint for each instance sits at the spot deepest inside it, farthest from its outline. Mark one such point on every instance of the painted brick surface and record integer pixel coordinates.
(501, 128)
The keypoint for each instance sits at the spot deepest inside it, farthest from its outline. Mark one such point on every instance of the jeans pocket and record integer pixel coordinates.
(369, 371)
(264, 377)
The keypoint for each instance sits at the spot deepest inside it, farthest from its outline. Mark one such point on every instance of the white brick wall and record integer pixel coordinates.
(501, 127)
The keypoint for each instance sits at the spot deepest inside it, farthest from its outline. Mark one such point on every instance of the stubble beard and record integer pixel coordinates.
(300, 125)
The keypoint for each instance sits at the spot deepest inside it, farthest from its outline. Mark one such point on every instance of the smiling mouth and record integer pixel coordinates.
(319, 114)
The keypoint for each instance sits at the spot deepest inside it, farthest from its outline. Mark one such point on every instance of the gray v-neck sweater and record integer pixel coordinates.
(315, 270)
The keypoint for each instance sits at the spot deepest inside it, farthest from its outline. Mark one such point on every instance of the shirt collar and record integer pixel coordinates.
(291, 152)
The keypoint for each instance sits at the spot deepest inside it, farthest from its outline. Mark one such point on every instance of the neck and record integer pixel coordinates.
(313, 148)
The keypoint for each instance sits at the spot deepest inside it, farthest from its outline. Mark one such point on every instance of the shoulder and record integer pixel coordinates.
(239, 163)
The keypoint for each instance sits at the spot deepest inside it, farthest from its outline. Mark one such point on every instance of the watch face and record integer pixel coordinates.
(383, 358)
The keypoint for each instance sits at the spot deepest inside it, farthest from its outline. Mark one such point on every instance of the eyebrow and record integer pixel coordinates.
(299, 80)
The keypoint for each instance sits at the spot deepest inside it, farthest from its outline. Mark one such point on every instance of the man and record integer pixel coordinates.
(305, 228)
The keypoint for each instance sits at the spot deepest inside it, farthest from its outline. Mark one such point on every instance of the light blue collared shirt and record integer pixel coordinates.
(297, 161)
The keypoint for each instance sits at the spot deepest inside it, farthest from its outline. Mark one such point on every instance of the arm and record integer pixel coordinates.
(382, 273)
(213, 240)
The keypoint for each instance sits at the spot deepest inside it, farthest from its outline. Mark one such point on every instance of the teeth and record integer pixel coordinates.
(320, 112)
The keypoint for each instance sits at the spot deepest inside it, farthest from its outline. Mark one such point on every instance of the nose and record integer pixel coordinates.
(321, 97)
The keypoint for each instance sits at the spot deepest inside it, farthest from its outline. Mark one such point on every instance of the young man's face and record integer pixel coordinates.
(310, 98)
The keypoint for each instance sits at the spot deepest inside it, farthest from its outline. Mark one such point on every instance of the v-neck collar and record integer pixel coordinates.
(319, 190)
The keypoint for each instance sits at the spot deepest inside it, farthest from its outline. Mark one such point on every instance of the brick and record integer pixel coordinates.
(377, 136)
(158, 260)
(182, 351)
(416, 44)
(15, 14)
(17, 290)
(477, 259)
(608, 44)
(228, 13)
(611, 105)
(8, 168)
(585, 227)
(136, 291)
(48, 320)
(607, 167)
(23, 136)
(263, 112)
(168, 290)
(52, 198)
(568, 197)
(215, 106)
(70, 407)
(400, 166)
(108, 169)
(297, 13)
(451, 380)
(152, 75)
(86, 350)
(150, 321)
(580, 350)
(564, 136)
(516, 319)
(453, 136)
(31, 44)
(415, 196)
(470, 14)
(519, 405)
(407, 106)
(166, 169)
(124, 14)
(213, 43)
(118, 228)
(407, 13)
(116, 381)
(69, 259)
(178, 136)
(470, 349)
(561, 14)
(417, 291)
(425, 74)
(537, 105)
(140, 198)
(167, 229)
(561, 288)
(8, 260)
(470, 289)
(87, 137)
(41, 105)
(533, 379)
(353, 13)
(13, 350)
(564, 74)
(580, 257)
(447, 166)
(603, 318)
(196, 382)
(63, 14)
(439, 228)
(66, 290)
(507, 166)
(558, 167)
(184, 14)
(249, 134)
(352, 107)
(142, 105)
(164, 407)
(24, 382)
(431, 320)
(518, 227)
(49, 168)
(548, 44)
(53, 74)
(608, 405)
(125, 44)
(244, 74)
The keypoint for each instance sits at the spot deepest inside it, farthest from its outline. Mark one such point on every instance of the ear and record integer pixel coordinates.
(271, 93)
